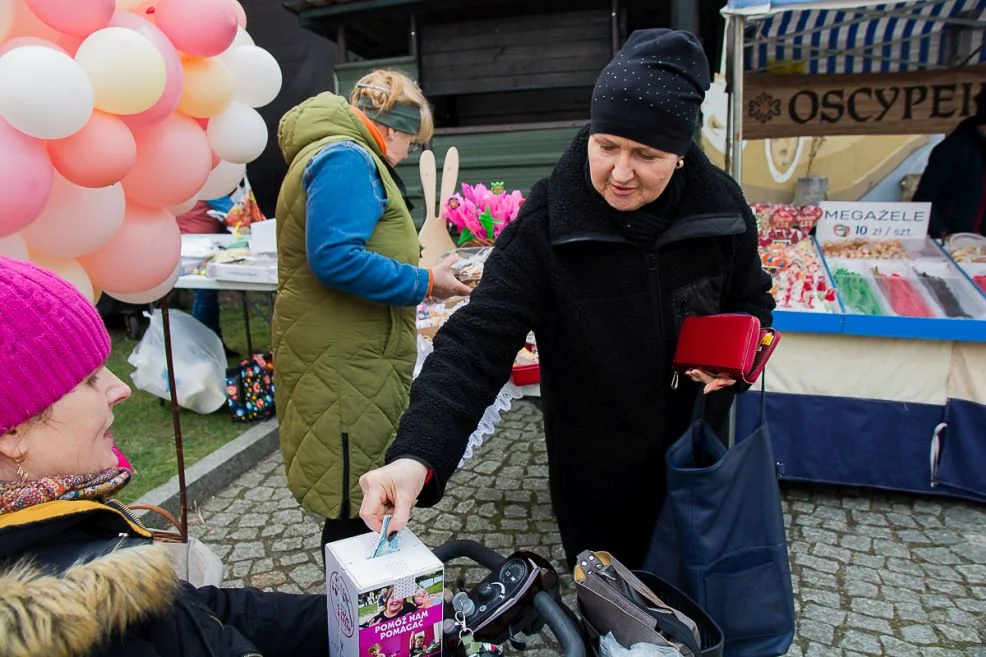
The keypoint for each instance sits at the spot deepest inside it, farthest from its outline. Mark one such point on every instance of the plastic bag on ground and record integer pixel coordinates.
(199, 360)
(610, 647)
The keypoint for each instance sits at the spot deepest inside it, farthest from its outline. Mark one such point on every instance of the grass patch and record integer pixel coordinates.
(143, 425)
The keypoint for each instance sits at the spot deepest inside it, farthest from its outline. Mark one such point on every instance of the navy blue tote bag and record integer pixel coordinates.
(720, 536)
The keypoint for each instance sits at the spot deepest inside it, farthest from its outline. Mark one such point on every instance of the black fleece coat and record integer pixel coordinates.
(100, 545)
(606, 315)
(953, 180)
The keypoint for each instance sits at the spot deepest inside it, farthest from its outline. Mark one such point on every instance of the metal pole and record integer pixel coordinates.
(413, 36)
(246, 324)
(736, 98)
(736, 140)
(175, 421)
(614, 20)
(342, 50)
(684, 16)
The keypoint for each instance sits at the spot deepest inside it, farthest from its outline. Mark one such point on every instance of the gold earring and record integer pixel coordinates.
(680, 163)
(21, 472)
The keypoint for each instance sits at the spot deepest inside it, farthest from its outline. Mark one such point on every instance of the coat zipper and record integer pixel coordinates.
(655, 279)
(344, 506)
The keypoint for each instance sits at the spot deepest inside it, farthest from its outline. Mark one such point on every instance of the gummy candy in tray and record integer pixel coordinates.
(927, 287)
(882, 287)
(950, 289)
(905, 295)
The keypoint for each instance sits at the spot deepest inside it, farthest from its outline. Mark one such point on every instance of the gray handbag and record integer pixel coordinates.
(612, 599)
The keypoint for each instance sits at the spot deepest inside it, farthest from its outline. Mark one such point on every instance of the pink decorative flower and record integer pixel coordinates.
(480, 213)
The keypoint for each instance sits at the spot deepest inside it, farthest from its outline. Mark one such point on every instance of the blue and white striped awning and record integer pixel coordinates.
(861, 36)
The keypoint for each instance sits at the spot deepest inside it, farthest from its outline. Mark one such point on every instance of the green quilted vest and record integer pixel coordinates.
(342, 364)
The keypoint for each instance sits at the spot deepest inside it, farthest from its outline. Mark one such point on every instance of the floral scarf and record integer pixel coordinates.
(18, 495)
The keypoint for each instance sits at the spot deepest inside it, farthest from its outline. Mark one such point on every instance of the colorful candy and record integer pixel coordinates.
(980, 281)
(944, 295)
(856, 292)
(905, 300)
(866, 249)
(799, 280)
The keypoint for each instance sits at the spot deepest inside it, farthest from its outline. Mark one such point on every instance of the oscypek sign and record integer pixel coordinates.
(925, 102)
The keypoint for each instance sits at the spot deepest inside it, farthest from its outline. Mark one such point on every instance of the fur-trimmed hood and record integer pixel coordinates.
(71, 613)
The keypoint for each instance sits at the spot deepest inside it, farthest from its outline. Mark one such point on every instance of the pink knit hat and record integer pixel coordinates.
(51, 339)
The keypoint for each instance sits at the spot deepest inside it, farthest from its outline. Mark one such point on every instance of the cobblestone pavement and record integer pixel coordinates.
(874, 573)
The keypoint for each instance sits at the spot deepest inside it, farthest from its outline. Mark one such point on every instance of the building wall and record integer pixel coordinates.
(306, 60)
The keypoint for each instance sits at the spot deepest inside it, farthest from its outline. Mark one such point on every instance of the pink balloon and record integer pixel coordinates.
(27, 24)
(173, 161)
(76, 220)
(153, 294)
(143, 252)
(69, 43)
(25, 178)
(168, 102)
(202, 28)
(17, 42)
(241, 17)
(79, 17)
(100, 154)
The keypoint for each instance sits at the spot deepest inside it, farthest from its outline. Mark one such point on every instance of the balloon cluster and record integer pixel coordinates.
(116, 116)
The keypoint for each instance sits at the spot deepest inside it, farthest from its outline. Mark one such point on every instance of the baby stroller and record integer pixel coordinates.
(520, 595)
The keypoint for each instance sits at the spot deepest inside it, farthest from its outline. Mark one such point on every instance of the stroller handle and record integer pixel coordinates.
(555, 615)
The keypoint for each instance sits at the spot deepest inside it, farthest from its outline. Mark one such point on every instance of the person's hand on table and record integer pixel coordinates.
(711, 381)
(391, 490)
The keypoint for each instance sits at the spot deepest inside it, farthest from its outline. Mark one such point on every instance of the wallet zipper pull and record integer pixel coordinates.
(674, 380)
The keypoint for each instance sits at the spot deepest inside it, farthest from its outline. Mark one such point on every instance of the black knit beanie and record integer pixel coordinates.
(651, 92)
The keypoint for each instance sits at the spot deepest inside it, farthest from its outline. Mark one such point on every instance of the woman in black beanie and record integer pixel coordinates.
(633, 230)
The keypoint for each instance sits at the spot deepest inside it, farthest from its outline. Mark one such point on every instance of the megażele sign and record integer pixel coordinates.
(925, 102)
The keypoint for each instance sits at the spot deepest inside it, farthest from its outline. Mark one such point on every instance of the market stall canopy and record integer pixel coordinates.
(915, 66)
(797, 36)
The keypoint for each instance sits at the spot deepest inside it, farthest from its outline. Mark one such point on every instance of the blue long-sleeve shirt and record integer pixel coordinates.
(346, 199)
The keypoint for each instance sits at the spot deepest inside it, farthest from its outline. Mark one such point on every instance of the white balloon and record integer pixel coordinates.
(256, 75)
(222, 180)
(148, 296)
(126, 69)
(182, 208)
(237, 134)
(44, 93)
(242, 38)
(13, 246)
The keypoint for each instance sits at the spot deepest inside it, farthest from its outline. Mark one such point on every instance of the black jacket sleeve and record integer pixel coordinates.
(278, 624)
(749, 286)
(475, 349)
(939, 171)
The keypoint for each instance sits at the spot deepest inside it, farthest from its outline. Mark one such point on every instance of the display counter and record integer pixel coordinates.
(886, 387)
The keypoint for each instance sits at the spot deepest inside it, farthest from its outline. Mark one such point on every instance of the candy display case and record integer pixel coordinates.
(904, 289)
(968, 252)
(805, 296)
(895, 396)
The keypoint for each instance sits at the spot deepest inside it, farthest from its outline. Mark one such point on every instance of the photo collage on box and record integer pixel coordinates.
(402, 621)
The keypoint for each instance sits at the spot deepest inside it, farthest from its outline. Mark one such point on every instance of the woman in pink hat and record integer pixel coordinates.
(78, 574)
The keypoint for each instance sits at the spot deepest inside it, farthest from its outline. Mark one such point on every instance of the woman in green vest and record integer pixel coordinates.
(344, 324)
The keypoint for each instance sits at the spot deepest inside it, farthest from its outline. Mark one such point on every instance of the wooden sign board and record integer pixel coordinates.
(925, 102)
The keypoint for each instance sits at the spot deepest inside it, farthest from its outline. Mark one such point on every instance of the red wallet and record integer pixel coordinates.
(731, 344)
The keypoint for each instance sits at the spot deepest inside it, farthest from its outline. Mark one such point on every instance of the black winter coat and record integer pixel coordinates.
(606, 315)
(81, 578)
(953, 181)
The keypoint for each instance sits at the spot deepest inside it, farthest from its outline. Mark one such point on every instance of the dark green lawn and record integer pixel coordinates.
(143, 427)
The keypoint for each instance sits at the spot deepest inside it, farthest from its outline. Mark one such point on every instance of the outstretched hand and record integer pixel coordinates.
(391, 490)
